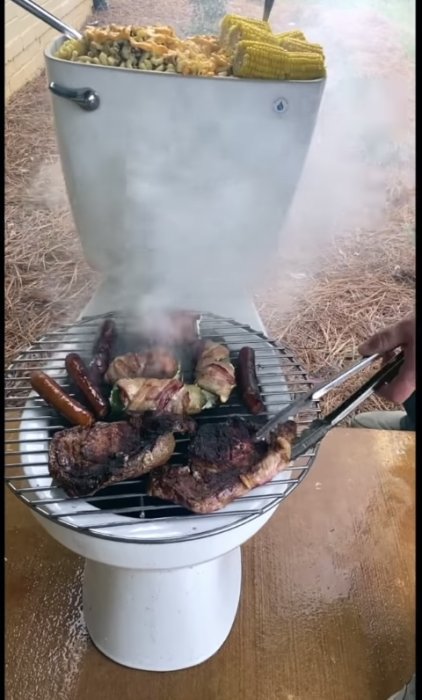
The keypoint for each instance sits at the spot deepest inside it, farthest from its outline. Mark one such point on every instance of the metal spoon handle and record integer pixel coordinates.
(268, 6)
(39, 12)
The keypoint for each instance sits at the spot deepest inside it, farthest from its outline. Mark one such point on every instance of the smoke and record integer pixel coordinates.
(200, 227)
(364, 141)
(362, 148)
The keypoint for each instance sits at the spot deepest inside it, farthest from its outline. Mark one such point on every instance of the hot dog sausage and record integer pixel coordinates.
(57, 398)
(247, 381)
(102, 352)
(77, 371)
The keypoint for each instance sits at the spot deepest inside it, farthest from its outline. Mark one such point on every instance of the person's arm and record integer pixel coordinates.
(402, 335)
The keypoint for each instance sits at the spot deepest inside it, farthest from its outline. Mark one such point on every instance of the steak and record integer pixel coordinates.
(84, 460)
(164, 422)
(224, 463)
(220, 446)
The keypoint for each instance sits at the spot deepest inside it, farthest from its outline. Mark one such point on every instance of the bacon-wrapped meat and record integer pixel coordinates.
(214, 371)
(158, 363)
(160, 395)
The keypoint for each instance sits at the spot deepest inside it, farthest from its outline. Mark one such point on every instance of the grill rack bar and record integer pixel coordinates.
(48, 354)
(165, 507)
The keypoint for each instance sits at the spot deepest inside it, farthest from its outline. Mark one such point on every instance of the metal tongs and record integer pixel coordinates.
(318, 428)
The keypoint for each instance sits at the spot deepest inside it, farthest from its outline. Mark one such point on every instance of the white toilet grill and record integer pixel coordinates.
(124, 511)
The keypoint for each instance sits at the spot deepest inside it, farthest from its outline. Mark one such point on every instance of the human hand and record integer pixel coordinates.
(402, 335)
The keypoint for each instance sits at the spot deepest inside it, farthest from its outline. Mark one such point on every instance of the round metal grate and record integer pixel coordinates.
(124, 511)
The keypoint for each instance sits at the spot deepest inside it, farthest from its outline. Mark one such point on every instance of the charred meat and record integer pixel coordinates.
(84, 460)
(158, 363)
(214, 371)
(161, 395)
(162, 423)
(224, 463)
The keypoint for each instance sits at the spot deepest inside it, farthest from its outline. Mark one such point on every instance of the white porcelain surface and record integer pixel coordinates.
(162, 620)
(184, 180)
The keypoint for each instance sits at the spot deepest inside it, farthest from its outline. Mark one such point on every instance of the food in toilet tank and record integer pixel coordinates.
(84, 460)
(224, 463)
(147, 48)
(245, 48)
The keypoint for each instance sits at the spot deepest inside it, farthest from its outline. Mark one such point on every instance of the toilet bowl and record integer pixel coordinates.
(160, 593)
(178, 189)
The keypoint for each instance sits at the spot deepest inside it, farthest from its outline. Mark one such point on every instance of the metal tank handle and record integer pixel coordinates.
(86, 98)
(39, 12)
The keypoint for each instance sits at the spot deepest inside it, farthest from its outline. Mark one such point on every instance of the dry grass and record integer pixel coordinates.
(47, 279)
(360, 287)
(360, 282)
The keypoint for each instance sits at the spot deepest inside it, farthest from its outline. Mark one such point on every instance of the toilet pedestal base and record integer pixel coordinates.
(162, 620)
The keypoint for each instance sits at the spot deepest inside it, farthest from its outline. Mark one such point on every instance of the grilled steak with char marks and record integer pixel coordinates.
(84, 460)
(224, 463)
(164, 422)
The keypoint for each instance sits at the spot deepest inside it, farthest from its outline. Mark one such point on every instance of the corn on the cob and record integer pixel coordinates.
(234, 21)
(293, 34)
(248, 32)
(293, 44)
(254, 59)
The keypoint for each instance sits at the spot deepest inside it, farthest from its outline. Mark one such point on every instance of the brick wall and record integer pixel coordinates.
(26, 37)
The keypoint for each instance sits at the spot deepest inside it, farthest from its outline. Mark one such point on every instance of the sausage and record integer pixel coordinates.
(77, 371)
(248, 381)
(57, 398)
(102, 352)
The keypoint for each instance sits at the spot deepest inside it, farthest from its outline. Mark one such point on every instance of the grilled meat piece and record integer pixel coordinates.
(84, 460)
(162, 423)
(214, 372)
(158, 362)
(160, 395)
(224, 464)
(218, 447)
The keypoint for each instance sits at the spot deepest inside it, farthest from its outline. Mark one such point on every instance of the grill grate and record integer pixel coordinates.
(124, 511)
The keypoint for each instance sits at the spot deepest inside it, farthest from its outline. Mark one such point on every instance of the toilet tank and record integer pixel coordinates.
(186, 180)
